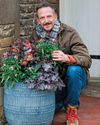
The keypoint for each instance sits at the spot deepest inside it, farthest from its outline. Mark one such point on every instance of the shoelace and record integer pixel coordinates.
(72, 115)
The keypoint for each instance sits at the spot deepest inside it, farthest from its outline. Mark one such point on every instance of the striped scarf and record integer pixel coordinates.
(53, 33)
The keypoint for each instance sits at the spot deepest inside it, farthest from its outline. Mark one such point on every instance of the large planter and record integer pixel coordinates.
(24, 106)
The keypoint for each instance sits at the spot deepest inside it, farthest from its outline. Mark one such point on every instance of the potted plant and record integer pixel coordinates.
(30, 78)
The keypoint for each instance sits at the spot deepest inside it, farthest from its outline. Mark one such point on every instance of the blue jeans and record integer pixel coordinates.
(75, 82)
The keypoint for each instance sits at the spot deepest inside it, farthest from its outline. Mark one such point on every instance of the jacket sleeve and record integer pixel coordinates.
(79, 50)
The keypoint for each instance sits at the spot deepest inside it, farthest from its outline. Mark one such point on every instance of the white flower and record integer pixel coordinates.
(30, 68)
(16, 57)
(4, 64)
(15, 74)
(12, 68)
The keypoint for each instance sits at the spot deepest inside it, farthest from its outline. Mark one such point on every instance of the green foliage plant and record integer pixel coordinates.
(30, 63)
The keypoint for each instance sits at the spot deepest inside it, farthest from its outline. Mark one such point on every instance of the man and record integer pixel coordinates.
(73, 55)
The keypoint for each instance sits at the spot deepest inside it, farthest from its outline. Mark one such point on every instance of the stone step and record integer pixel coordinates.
(93, 87)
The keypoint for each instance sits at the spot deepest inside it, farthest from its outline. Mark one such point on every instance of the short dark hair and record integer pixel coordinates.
(45, 4)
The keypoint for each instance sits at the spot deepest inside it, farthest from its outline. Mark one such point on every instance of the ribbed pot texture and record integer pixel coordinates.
(24, 106)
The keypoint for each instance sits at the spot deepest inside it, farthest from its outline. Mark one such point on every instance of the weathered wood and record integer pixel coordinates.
(8, 11)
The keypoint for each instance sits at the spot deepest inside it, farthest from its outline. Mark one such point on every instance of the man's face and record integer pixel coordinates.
(46, 18)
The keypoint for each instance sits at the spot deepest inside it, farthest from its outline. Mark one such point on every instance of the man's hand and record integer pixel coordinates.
(58, 55)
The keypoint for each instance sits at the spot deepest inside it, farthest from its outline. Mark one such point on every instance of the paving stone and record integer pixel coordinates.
(93, 88)
(89, 112)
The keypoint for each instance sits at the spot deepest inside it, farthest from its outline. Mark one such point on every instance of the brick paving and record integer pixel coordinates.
(89, 111)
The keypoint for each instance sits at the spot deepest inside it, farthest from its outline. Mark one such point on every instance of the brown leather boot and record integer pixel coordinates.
(72, 117)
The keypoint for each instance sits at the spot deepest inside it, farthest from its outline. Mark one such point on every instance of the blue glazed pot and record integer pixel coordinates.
(23, 106)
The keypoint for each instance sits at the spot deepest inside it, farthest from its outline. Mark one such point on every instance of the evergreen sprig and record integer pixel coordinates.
(45, 49)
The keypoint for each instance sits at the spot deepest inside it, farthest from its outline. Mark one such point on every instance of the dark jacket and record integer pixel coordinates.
(71, 43)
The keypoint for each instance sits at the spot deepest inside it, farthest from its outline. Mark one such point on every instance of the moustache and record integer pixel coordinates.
(47, 23)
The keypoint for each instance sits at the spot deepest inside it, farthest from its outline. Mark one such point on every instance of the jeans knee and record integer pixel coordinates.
(73, 71)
